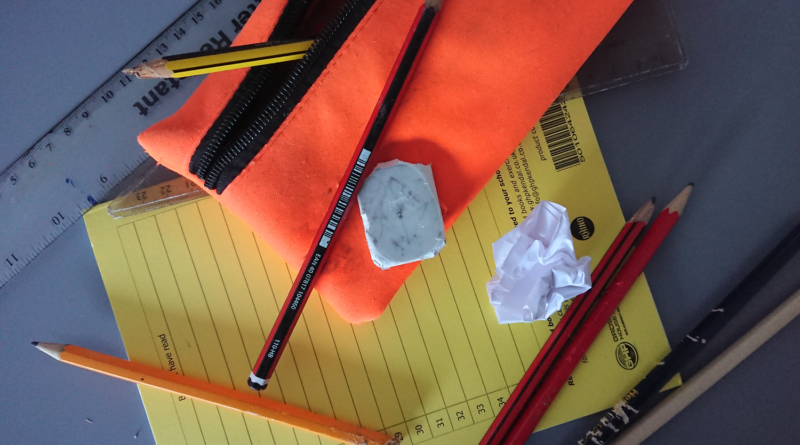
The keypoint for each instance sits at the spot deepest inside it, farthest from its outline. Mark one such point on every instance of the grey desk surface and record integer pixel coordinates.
(729, 122)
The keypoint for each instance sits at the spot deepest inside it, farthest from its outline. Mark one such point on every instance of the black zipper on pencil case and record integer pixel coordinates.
(246, 94)
(257, 126)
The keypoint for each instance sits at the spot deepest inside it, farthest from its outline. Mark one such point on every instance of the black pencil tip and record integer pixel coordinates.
(653, 199)
(35, 343)
(691, 184)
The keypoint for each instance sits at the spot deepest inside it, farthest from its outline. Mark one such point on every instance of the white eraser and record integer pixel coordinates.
(401, 214)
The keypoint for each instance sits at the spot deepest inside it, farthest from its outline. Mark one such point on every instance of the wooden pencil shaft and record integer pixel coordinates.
(592, 326)
(225, 397)
(712, 373)
(564, 329)
(611, 425)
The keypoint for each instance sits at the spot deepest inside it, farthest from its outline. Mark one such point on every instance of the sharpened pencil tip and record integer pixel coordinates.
(679, 202)
(154, 69)
(691, 184)
(34, 343)
(52, 349)
(644, 213)
(653, 200)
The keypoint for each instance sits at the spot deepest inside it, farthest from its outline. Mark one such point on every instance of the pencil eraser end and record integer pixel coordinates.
(257, 383)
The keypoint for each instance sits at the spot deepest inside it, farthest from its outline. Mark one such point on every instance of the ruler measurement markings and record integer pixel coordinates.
(94, 147)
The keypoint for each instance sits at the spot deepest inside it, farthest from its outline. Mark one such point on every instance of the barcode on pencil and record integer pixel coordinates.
(559, 139)
(325, 240)
(344, 198)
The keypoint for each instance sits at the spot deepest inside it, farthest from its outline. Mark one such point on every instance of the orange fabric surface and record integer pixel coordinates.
(487, 75)
(172, 141)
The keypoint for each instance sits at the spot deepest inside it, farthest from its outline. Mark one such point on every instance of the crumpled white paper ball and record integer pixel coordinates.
(536, 267)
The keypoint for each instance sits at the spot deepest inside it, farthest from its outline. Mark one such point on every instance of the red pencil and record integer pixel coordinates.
(278, 338)
(605, 269)
(597, 320)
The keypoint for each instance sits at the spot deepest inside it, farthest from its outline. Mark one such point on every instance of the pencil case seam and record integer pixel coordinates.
(311, 92)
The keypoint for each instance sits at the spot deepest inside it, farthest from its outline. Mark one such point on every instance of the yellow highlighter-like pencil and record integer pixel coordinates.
(193, 64)
(207, 392)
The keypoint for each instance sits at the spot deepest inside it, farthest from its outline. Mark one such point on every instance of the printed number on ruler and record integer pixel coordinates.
(94, 147)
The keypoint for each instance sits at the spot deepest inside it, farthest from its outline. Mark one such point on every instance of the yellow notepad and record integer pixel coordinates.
(195, 292)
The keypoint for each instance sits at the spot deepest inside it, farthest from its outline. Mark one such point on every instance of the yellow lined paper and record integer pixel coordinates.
(195, 292)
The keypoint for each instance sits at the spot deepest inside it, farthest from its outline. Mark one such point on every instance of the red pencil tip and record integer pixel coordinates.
(679, 202)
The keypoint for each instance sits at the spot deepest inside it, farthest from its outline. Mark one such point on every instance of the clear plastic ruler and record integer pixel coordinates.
(94, 147)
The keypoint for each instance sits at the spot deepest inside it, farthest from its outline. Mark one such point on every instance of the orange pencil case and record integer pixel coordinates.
(275, 141)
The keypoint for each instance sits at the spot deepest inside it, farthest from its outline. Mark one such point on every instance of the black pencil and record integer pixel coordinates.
(315, 259)
(635, 403)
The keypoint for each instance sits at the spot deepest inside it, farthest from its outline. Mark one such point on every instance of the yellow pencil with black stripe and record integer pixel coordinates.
(194, 64)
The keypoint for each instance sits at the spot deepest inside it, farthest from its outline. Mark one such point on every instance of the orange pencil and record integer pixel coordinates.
(207, 392)
(597, 320)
